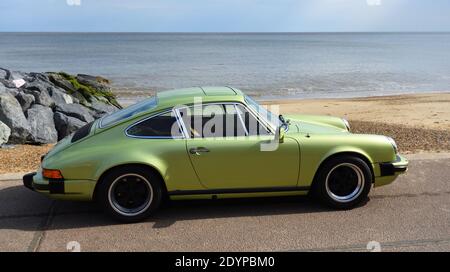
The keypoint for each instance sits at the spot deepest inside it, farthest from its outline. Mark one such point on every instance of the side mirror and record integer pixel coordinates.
(279, 134)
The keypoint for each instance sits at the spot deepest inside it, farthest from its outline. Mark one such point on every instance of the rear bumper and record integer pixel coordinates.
(53, 186)
(58, 188)
(28, 181)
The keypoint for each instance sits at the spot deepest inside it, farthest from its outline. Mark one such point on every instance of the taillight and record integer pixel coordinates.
(52, 174)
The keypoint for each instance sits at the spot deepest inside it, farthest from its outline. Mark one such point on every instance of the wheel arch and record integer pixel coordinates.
(359, 155)
(151, 168)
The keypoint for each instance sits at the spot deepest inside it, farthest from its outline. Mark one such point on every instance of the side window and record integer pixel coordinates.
(214, 120)
(253, 126)
(164, 125)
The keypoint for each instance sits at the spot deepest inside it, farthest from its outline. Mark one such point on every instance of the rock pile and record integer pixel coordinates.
(42, 108)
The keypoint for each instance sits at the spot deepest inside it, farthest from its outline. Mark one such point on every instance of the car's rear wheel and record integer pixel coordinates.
(130, 194)
(343, 182)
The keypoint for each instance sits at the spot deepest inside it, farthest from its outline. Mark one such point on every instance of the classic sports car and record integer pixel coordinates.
(212, 142)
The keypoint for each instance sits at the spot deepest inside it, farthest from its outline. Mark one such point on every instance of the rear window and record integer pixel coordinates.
(126, 113)
(161, 126)
(82, 132)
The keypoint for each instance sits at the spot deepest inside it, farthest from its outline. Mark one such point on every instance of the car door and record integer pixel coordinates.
(226, 150)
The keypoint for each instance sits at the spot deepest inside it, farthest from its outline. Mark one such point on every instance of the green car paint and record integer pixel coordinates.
(236, 163)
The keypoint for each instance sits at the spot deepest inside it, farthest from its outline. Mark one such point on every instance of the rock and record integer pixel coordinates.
(39, 90)
(25, 100)
(2, 87)
(11, 114)
(42, 126)
(5, 132)
(66, 125)
(37, 77)
(16, 75)
(59, 96)
(12, 91)
(96, 82)
(61, 82)
(4, 73)
(7, 83)
(75, 110)
(101, 108)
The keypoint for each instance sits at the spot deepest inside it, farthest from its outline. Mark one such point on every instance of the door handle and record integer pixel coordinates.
(198, 150)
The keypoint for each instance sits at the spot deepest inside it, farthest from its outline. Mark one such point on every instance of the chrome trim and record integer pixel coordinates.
(356, 192)
(125, 211)
(181, 123)
(262, 119)
(242, 120)
(153, 137)
(100, 122)
(346, 123)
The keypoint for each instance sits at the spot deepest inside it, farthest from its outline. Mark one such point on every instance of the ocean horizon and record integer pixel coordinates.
(266, 65)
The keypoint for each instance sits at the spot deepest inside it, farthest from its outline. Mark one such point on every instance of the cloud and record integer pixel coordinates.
(73, 2)
(373, 3)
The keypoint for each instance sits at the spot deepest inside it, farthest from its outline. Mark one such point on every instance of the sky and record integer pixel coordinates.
(224, 15)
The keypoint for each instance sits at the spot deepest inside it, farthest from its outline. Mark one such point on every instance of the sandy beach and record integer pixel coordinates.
(418, 122)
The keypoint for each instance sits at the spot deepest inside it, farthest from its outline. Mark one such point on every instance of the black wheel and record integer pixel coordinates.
(343, 182)
(130, 194)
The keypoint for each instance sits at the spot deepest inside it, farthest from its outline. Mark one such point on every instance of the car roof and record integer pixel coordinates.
(188, 96)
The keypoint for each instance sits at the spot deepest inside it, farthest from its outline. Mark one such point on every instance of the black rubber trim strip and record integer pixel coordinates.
(239, 191)
(56, 186)
(40, 187)
(28, 180)
(388, 169)
(82, 132)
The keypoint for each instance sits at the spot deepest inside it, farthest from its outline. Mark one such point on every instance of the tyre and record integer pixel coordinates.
(130, 194)
(343, 182)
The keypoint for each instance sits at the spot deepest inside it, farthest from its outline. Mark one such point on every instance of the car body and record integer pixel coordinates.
(192, 166)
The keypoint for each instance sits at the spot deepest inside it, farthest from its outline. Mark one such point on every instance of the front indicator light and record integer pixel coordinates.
(52, 174)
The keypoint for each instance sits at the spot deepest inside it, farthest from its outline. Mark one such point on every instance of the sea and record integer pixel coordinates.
(265, 65)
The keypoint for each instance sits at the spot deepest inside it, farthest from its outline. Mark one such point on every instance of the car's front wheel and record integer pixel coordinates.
(130, 194)
(343, 182)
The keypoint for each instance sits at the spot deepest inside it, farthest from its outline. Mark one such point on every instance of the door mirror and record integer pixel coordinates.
(279, 134)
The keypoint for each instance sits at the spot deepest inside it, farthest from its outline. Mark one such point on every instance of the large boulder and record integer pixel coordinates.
(76, 111)
(2, 87)
(5, 132)
(61, 82)
(4, 73)
(11, 114)
(100, 108)
(39, 90)
(96, 82)
(66, 125)
(60, 96)
(42, 126)
(25, 100)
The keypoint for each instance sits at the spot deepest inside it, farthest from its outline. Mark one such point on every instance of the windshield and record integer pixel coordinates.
(126, 113)
(271, 118)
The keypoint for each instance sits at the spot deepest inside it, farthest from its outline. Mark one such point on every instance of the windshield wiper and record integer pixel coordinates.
(285, 123)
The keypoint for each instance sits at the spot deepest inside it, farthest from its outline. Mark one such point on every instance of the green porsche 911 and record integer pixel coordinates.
(212, 142)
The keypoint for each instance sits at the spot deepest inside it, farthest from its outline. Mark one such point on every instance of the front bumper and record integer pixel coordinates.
(59, 188)
(386, 173)
(400, 166)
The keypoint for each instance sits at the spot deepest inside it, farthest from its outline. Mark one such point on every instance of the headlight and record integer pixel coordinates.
(394, 144)
(347, 124)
